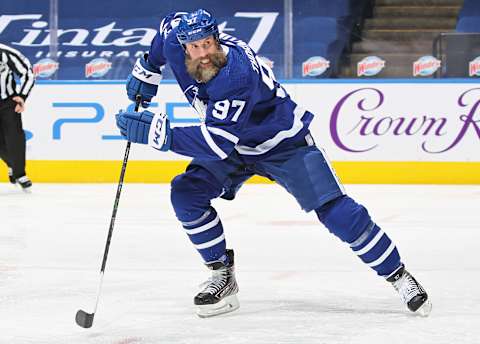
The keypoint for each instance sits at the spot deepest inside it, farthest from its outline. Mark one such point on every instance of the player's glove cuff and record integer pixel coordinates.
(159, 136)
(146, 72)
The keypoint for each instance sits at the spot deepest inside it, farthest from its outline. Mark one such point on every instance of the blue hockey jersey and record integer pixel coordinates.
(242, 108)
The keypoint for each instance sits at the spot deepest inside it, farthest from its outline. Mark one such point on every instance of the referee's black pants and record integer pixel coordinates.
(12, 138)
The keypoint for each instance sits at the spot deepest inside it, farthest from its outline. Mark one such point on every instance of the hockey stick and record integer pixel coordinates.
(82, 318)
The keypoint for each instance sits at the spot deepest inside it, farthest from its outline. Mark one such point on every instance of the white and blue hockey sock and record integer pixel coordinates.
(206, 234)
(377, 250)
(351, 222)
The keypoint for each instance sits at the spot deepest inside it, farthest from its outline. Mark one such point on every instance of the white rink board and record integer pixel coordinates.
(354, 121)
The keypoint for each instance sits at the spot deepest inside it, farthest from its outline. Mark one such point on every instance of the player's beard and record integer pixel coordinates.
(206, 73)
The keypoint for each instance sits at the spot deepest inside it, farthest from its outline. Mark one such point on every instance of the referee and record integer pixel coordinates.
(12, 104)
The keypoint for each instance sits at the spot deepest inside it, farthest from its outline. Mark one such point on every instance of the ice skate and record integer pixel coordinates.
(219, 294)
(412, 293)
(25, 183)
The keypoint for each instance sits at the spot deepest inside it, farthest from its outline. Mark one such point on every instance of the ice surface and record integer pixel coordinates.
(298, 283)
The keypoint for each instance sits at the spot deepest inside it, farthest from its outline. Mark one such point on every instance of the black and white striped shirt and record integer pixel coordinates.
(13, 62)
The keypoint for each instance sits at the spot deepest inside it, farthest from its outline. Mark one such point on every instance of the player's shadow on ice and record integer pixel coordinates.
(319, 307)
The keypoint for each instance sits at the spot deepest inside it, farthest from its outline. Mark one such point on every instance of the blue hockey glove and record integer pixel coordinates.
(143, 81)
(146, 128)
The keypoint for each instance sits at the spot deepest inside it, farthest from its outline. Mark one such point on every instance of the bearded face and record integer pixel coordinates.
(204, 64)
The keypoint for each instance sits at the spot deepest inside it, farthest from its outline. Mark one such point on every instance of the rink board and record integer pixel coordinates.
(374, 131)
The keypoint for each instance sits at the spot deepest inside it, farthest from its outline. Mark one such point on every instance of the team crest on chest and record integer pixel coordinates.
(199, 105)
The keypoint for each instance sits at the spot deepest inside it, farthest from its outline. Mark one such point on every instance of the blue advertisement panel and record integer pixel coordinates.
(102, 39)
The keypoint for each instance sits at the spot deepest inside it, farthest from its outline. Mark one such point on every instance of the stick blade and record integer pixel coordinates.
(84, 319)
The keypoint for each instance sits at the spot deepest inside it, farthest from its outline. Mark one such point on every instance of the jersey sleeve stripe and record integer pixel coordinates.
(10, 89)
(223, 133)
(3, 81)
(24, 69)
(279, 137)
(213, 146)
(10, 50)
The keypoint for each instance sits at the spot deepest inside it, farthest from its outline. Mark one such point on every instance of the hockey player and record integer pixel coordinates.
(249, 126)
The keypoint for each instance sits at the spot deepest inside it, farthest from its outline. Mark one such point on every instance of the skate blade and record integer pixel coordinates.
(24, 190)
(227, 305)
(425, 309)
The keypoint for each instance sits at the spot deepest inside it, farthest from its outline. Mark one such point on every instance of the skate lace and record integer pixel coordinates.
(216, 282)
(407, 287)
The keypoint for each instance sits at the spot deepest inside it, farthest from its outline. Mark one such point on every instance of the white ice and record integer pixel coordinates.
(298, 283)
